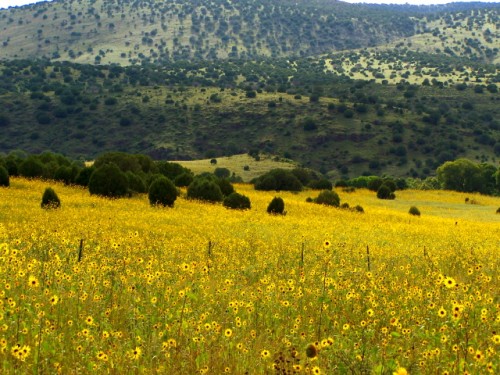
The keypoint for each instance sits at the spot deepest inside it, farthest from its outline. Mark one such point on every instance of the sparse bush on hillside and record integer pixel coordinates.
(225, 186)
(385, 192)
(4, 177)
(222, 172)
(162, 192)
(50, 199)
(127, 162)
(64, 174)
(31, 168)
(237, 201)
(276, 207)
(375, 183)
(414, 211)
(322, 184)
(183, 179)
(205, 189)
(359, 209)
(136, 183)
(328, 198)
(83, 176)
(278, 179)
(171, 170)
(108, 181)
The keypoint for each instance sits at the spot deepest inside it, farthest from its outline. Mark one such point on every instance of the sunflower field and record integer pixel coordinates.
(117, 286)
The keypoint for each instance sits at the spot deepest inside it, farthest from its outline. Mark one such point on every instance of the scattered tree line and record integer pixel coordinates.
(118, 174)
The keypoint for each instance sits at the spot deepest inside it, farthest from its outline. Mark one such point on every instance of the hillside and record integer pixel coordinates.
(344, 89)
(128, 32)
(185, 111)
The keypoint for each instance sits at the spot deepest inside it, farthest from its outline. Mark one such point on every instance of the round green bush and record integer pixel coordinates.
(329, 198)
(359, 209)
(498, 210)
(136, 183)
(83, 176)
(108, 181)
(279, 180)
(162, 192)
(414, 211)
(64, 174)
(183, 179)
(222, 172)
(205, 190)
(50, 199)
(237, 201)
(31, 168)
(225, 186)
(276, 207)
(322, 184)
(375, 184)
(345, 206)
(4, 177)
(384, 192)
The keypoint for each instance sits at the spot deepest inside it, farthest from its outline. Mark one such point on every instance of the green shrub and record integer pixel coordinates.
(172, 170)
(204, 189)
(225, 186)
(375, 184)
(498, 210)
(108, 181)
(222, 172)
(31, 168)
(276, 207)
(345, 206)
(384, 192)
(359, 209)
(4, 177)
(278, 179)
(64, 174)
(50, 199)
(83, 176)
(136, 183)
(237, 201)
(162, 192)
(414, 211)
(12, 165)
(183, 179)
(328, 198)
(322, 184)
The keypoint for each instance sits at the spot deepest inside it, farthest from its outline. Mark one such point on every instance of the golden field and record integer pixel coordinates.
(202, 289)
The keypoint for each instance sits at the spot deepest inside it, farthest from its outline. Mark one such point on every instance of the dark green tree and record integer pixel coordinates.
(385, 192)
(237, 201)
(162, 192)
(204, 189)
(460, 175)
(108, 181)
(50, 199)
(4, 177)
(329, 198)
(83, 176)
(276, 206)
(32, 167)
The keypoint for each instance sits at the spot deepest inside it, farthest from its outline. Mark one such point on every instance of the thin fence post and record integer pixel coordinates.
(80, 251)
(302, 255)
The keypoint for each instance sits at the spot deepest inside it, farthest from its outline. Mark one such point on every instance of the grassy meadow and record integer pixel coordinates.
(202, 289)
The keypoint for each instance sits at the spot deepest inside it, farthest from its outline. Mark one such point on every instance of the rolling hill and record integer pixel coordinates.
(344, 89)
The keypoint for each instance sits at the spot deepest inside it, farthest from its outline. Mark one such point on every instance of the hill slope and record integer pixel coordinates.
(330, 123)
(128, 32)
